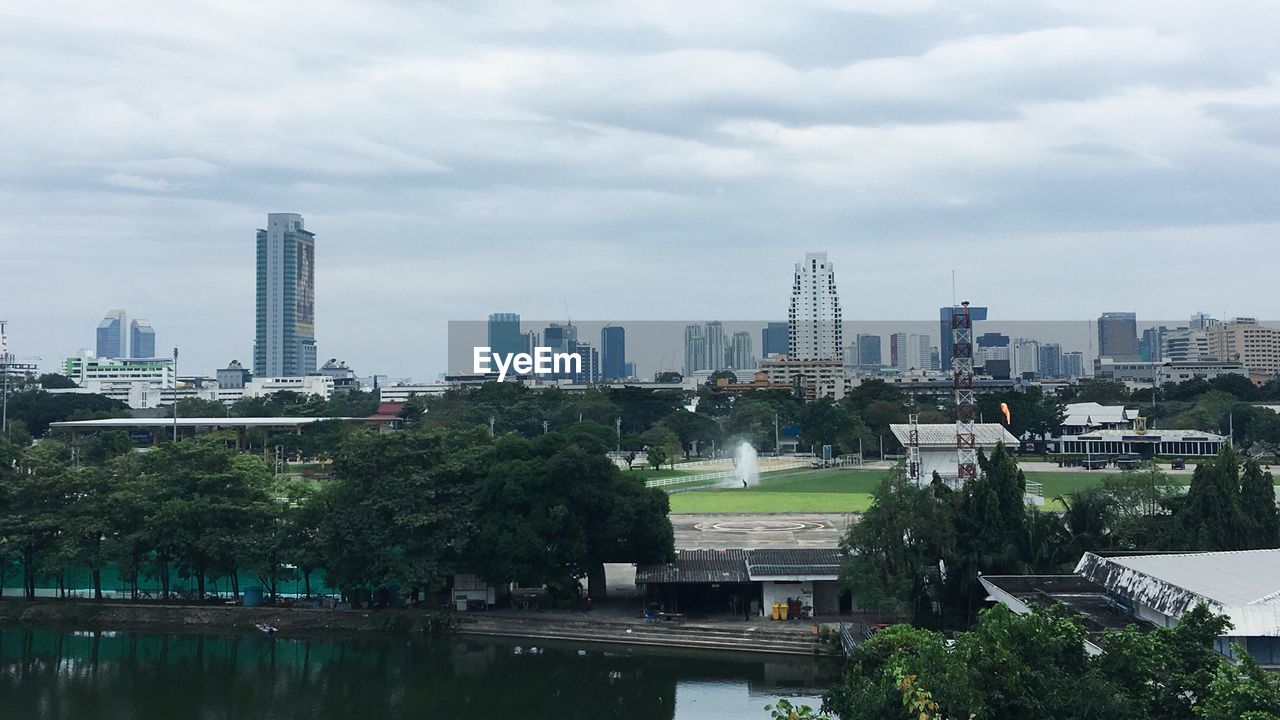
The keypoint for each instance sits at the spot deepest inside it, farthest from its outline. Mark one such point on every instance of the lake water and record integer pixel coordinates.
(48, 674)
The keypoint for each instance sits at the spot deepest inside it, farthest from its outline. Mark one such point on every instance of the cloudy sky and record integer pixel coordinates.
(629, 161)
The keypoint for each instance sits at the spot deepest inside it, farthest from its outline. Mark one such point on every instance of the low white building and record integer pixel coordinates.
(1143, 443)
(1086, 416)
(937, 444)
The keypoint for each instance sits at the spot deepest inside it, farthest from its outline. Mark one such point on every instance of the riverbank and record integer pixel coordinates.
(206, 617)
(605, 626)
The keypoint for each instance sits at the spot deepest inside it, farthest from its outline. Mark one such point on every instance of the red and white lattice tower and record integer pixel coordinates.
(913, 448)
(962, 375)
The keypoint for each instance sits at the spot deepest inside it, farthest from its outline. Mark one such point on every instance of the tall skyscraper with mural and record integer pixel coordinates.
(285, 341)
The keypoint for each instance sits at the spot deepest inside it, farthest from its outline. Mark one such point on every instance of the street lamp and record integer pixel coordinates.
(4, 414)
(175, 395)
(4, 357)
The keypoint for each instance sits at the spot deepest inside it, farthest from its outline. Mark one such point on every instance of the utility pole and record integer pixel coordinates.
(775, 434)
(4, 414)
(175, 394)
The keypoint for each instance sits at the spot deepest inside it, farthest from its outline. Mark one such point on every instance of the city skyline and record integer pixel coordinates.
(452, 162)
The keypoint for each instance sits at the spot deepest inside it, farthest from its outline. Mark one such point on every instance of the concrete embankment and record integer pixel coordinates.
(746, 637)
(788, 639)
(213, 618)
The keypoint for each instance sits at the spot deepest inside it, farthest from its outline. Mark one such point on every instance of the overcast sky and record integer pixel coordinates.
(664, 159)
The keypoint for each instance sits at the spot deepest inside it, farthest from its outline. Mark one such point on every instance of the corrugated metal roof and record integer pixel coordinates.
(790, 562)
(1244, 585)
(698, 566)
(1092, 413)
(1246, 577)
(944, 434)
(731, 566)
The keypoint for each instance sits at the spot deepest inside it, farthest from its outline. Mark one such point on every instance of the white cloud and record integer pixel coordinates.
(457, 159)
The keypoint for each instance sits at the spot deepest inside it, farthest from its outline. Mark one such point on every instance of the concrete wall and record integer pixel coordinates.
(778, 592)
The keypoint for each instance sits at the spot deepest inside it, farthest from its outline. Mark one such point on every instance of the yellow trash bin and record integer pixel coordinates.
(783, 609)
(776, 611)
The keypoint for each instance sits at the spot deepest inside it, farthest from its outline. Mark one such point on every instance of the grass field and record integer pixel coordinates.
(648, 473)
(787, 491)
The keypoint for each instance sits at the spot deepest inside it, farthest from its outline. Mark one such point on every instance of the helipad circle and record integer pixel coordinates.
(759, 526)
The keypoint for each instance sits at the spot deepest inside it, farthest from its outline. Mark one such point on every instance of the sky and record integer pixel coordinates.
(656, 160)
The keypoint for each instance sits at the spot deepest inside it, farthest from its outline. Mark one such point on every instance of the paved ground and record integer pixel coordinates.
(757, 530)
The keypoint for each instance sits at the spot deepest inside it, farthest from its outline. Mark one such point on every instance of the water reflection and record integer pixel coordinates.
(48, 674)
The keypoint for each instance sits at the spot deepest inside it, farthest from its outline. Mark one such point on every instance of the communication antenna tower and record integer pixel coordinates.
(962, 376)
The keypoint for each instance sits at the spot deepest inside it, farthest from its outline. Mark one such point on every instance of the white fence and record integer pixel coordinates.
(721, 475)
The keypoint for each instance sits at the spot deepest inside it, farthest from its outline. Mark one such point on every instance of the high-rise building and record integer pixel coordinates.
(1073, 364)
(503, 334)
(774, 338)
(560, 338)
(944, 329)
(991, 347)
(908, 351)
(1151, 344)
(613, 352)
(285, 340)
(695, 349)
(142, 339)
(1248, 342)
(1050, 360)
(529, 341)
(1024, 357)
(870, 358)
(590, 363)
(740, 355)
(814, 319)
(111, 336)
(1183, 345)
(714, 333)
(1118, 335)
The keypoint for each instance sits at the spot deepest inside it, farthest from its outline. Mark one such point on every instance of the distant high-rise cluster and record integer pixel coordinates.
(705, 348)
(504, 334)
(111, 336)
(119, 339)
(814, 318)
(142, 339)
(1118, 336)
(613, 353)
(285, 340)
(908, 351)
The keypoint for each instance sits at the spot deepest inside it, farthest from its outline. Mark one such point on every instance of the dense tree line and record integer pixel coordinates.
(919, 550)
(1035, 667)
(403, 513)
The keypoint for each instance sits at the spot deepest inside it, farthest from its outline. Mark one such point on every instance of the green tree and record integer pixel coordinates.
(87, 520)
(1210, 518)
(551, 514)
(398, 509)
(55, 381)
(1260, 526)
(1034, 667)
(893, 550)
(209, 501)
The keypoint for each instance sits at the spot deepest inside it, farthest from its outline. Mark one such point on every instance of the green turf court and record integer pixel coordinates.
(787, 491)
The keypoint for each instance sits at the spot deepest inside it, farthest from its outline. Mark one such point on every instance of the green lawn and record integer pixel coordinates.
(787, 491)
(1070, 483)
(648, 473)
